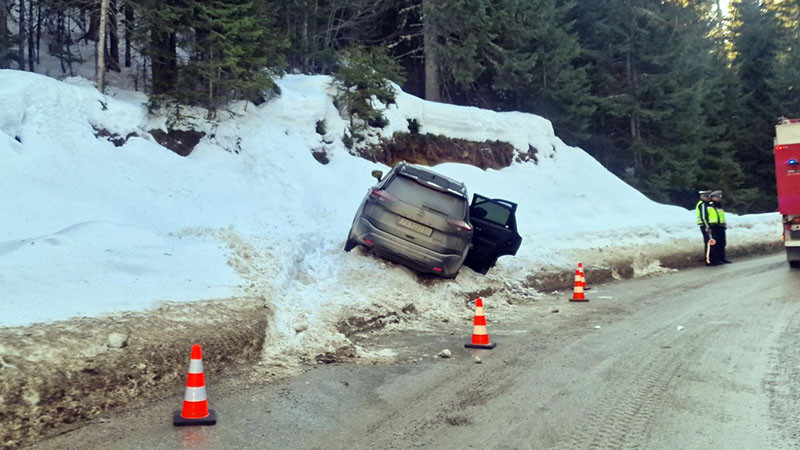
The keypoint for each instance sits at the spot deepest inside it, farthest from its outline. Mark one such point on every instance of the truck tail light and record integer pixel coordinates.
(459, 225)
(383, 195)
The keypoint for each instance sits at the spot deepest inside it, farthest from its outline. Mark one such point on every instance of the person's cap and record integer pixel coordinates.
(716, 194)
(703, 192)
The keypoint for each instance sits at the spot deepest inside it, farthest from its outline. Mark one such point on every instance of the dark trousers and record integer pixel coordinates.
(705, 240)
(717, 251)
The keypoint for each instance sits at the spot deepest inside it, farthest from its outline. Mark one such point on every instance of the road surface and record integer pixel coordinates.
(702, 358)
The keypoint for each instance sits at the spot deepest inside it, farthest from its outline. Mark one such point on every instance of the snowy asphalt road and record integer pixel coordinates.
(702, 358)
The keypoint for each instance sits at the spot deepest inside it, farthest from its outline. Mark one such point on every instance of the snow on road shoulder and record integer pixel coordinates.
(103, 267)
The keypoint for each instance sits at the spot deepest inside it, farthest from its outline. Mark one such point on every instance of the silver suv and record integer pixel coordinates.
(423, 220)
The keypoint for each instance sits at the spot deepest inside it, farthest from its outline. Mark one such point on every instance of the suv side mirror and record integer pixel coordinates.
(378, 174)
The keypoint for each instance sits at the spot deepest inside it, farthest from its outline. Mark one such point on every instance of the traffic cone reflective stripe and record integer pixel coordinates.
(583, 276)
(577, 293)
(195, 402)
(480, 338)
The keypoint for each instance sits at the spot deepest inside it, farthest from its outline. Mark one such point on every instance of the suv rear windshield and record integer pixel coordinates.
(419, 195)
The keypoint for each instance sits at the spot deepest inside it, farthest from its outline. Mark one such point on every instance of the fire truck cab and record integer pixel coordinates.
(787, 173)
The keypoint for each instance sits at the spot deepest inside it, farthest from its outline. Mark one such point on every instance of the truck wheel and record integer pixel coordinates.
(794, 264)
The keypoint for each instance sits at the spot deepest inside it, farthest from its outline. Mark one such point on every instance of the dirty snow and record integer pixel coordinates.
(91, 229)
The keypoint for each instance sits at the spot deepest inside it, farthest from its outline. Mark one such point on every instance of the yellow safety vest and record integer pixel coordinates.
(697, 210)
(716, 216)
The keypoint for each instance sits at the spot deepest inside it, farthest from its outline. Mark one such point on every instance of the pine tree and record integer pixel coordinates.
(235, 54)
(756, 41)
(648, 71)
(786, 84)
(365, 74)
(156, 35)
(59, 30)
(680, 88)
(723, 104)
(538, 67)
(462, 45)
(317, 29)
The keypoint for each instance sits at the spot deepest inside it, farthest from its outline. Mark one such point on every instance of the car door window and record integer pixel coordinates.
(491, 211)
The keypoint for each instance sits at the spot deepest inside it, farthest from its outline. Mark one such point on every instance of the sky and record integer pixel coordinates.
(91, 229)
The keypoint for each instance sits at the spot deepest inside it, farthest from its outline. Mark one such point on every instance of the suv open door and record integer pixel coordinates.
(495, 232)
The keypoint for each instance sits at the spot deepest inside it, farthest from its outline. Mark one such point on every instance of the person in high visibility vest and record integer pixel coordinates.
(716, 220)
(716, 203)
(701, 208)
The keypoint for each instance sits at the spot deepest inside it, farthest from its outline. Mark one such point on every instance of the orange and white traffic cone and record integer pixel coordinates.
(480, 338)
(577, 294)
(195, 402)
(583, 276)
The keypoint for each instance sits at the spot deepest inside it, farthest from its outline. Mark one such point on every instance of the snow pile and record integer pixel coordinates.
(92, 228)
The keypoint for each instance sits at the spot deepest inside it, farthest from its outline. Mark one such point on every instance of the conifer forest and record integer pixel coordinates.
(670, 95)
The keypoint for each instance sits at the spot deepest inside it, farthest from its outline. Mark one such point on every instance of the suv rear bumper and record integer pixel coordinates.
(405, 252)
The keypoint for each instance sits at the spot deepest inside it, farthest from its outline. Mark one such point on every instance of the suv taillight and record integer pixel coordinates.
(459, 225)
(383, 195)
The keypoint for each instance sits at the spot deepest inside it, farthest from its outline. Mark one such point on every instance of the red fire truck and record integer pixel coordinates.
(787, 172)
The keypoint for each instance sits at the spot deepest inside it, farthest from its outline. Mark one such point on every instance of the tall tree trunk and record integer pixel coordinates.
(31, 37)
(164, 64)
(60, 39)
(100, 68)
(432, 91)
(21, 47)
(304, 37)
(94, 25)
(314, 41)
(630, 74)
(38, 31)
(128, 22)
(3, 36)
(68, 41)
(113, 37)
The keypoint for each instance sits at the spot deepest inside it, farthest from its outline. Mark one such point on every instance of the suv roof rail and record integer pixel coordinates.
(432, 178)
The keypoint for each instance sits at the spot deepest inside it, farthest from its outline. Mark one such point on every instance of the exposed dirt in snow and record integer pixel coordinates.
(181, 142)
(430, 150)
